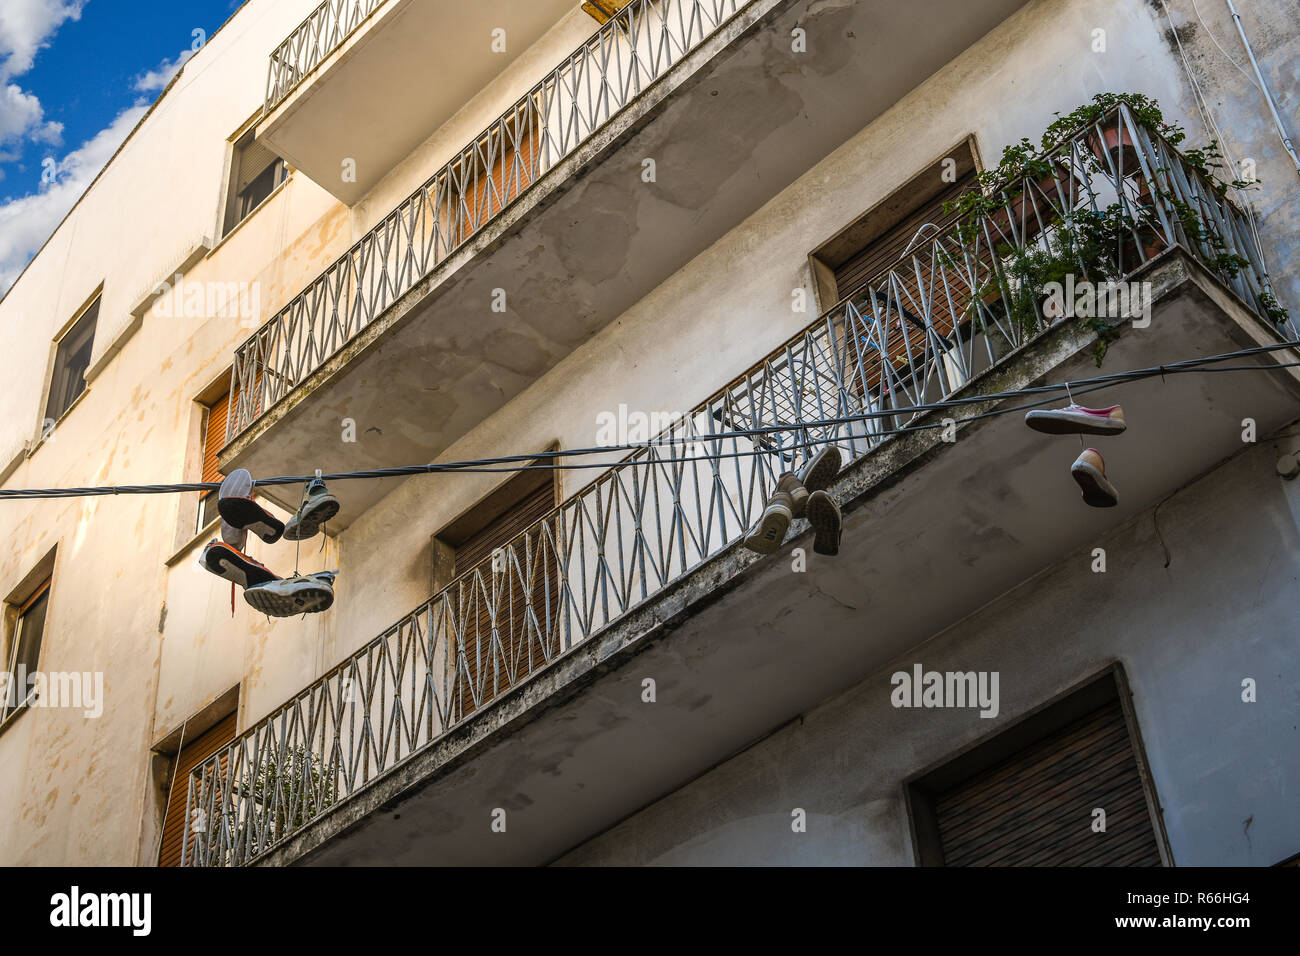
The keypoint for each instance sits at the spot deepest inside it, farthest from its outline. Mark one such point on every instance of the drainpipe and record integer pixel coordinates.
(1263, 87)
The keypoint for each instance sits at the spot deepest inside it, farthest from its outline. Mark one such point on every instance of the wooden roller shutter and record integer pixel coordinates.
(494, 670)
(175, 824)
(1035, 808)
(602, 11)
(510, 152)
(214, 437)
(882, 254)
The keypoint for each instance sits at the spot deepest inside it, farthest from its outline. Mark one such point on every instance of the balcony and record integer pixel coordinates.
(548, 205)
(369, 80)
(519, 687)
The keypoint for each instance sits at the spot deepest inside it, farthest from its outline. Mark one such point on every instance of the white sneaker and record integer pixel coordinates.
(305, 594)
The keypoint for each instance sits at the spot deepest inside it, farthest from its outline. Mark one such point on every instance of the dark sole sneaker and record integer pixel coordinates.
(226, 562)
(827, 523)
(247, 514)
(770, 530)
(309, 519)
(1097, 491)
(1064, 423)
(820, 470)
(289, 598)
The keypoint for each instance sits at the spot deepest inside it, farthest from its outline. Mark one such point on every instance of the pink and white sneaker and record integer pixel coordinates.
(1077, 420)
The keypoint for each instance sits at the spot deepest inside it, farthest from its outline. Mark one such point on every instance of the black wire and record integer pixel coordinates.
(528, 462)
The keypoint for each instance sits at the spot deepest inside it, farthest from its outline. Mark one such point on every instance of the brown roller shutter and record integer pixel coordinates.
(602, 11)
(878, 257)
(486, 667)
(214, 437)
(175, 825)
(883, 252)
(1035, 808)
(511, 155)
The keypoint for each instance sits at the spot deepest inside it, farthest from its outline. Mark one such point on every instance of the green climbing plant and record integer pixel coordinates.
(1087, 243)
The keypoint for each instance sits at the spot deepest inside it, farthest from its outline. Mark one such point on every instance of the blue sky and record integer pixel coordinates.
(75, 76)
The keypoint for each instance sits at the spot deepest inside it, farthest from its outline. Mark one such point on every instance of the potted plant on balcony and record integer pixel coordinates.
(1099, 244)
(272, 814)
(1038, 193)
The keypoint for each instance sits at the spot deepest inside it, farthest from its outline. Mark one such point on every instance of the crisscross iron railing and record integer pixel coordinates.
(913, 334)
(319, 35)
(628, 53)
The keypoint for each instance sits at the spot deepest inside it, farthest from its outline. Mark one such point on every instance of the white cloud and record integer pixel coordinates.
(26, 26)
(158, 78)
(26, 222)
(21, 117)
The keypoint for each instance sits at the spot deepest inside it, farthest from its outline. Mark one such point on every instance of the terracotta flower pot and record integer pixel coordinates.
(1037, 205)
(1148, 244)
(1116, 145)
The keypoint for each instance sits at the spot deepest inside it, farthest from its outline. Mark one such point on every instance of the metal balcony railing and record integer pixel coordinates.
(913, 334)
(319, 35)
(628, 53)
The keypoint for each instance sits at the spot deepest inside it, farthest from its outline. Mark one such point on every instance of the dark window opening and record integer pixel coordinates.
(255, 172)
(24, 650)
(71, 359)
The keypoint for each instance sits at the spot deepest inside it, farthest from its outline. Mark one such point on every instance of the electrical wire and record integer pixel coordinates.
(555, 459)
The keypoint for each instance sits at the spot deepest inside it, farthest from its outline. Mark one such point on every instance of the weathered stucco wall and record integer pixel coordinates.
(128, 598)
(1187, 635)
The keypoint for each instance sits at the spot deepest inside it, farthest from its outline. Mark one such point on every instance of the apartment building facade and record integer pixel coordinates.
(671, 246)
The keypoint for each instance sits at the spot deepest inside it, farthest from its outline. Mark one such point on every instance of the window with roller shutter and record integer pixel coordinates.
(602, 11)
(215, 423)
(525, 575)
(500, 168)
(882, 254)
(176, 824)
(214, 438)
(1028, 796)
(255, 173)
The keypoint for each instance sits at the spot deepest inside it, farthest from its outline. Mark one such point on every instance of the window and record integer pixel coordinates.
(255, 171)
(71, 359)
(492, 173)
(850, 265)
(214, 439)
(602, 11)
(516, 587)
(23, 650)
(216, 403)
(176, 829)
(1028, 796)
